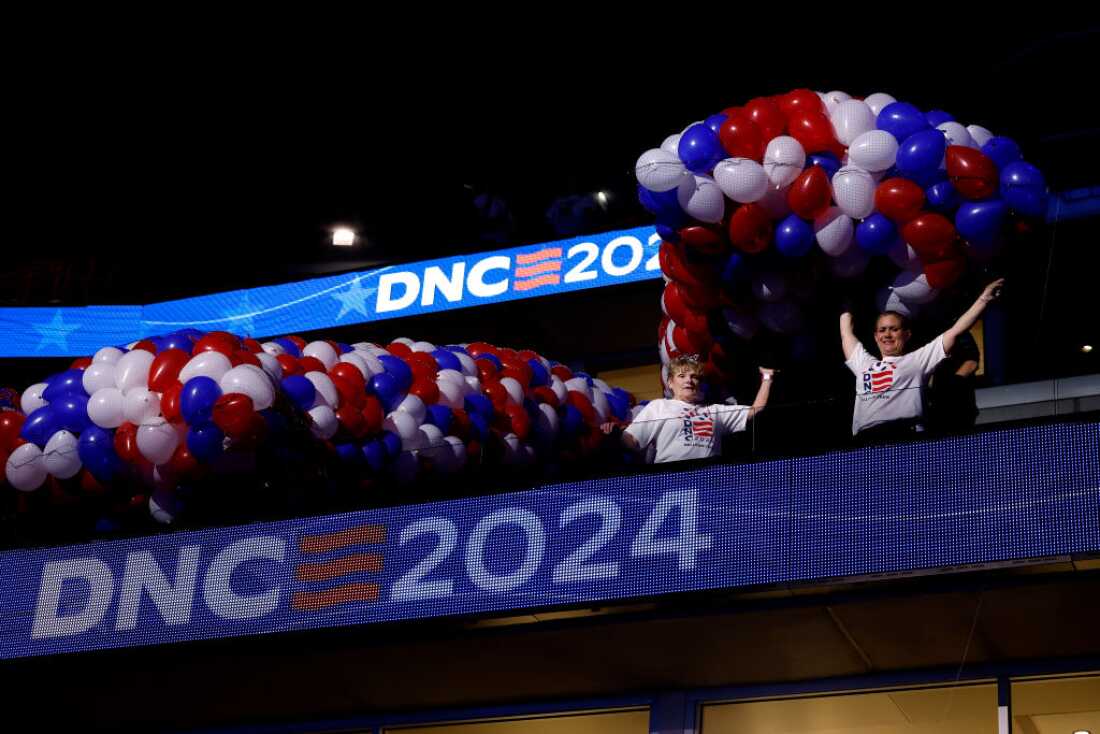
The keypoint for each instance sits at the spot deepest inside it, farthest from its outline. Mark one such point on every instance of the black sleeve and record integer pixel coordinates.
(965, 349)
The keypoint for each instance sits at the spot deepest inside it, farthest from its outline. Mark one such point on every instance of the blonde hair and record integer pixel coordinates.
(690, 362)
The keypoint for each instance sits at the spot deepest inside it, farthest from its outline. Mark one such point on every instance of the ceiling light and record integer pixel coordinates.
(343, 236)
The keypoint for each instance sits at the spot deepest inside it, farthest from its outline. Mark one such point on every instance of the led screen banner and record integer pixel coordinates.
(594, 261)
(1006, 495)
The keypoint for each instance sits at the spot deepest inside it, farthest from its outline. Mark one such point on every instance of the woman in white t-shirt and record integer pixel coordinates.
(889, 389)
(683, 427)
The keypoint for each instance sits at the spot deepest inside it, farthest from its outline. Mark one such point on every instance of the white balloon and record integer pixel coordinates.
(784, 159)
(671, 145)
(834, 231)
(326, 391)
(423, 347)
(451, 393)
(979, 134)
(547, 422)
(139, 404)
(108, 355)
(659, 170)
(741, 322)
(904, 256)
(432, 442)
(875, 150)
(851, 264)
(405, 426)
(60, 456)
(701, 199)
(514, 389)
(782, 318)
(878, 100)
(851, 119)
(854, 192)
(832, 99)
(414, 406)
(106, 407)
(512, 449)
(25, 469)
(162, 514)
(449, 375)
(469, 367)
(254, 382)
(579, 384)
(913, 287)
(956, 134)
(133, 370)
(887, 300)
(404, 340)
(458, 452)
(358, 362)
(370, 359)
(769, 287)
(741, 179)
(32, 399)
(206, 364)
(322, 351)
(97, 376)
(157, 440)
(474, 384)
(557, 386)
(324, 420)
(601, 385)
(271, 366)
(273, 348)
(600, 404)
(774, 202)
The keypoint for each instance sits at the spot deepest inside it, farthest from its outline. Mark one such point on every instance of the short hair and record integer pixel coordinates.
(902, 318)
(688, 361)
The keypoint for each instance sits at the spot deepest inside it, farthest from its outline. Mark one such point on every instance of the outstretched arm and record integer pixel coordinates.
(991, 292)
(848, 341)
(766, 375)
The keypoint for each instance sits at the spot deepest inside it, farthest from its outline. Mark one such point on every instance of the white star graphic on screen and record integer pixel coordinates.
(55, 332)
(354, 299)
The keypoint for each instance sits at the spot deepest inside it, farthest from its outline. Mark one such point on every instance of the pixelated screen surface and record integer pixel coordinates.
(1000, 496)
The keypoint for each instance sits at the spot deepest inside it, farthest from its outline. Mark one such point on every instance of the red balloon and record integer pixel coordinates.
(741, 137)
(899, 199)
(81, 363)
(460, 423)
(399, 349)
(545, 395)
(243, 356)
(767, 116)
(944, 273)
(583, 404)
(352, 420)
(298, 341)
(486, 369)
(497, 394)
(348, 372)
(704, 240)
(90, 485)
(170, 402)
(311, 364)
(252, 345)
(233, 414)
(373, 414)
(527, 354)
(673, 302)
(165, 369)
(810, 194)
(563, 373)
(253, 434)
(518, 369)
(972, 172)
(351, 393)
(290, 365)
(505, 353)
(476, 349)
(182, 462)
(690, 342)
(675, 266)
(426, 390)
(145, 345)
(425, 362)
(126, 443)
(516, 375)
(800, 100)
(520, 421)
(813, 130)
(11, 423)
(929, 234)
(750, 228)
(217, 341)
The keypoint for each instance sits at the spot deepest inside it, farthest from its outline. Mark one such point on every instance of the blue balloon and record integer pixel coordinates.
(585, 376)
(300, 390)
(942, 196)
(205, 441)
(180, 341)
(197, 399)
(344, 348)
(288, 346)
(72, 413)
(827, 161)
(668, 234)
(447, 360)
(876, 234)
(935, 118)
(375, 454)
(1002, 151)
(40, 425)
(619, 407)
(456, 348)
(68, 382)
(735, 270)
(1024, 188)
(440, 416)
(493, 359)
(794, 236)
(921, 153)
(539, 374)
(396, 368)
(901, 120)
(349, 453)
(385, 386)
(699, 148)
(478, 405)
(96, 449)
(571, 421)
(665, 205)
(480, 424)
(980, 221)
(714, 122)
(158, 343)
(391, 442)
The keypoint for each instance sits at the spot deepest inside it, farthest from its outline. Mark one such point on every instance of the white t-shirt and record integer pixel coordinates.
(686, 431)
(890, 389)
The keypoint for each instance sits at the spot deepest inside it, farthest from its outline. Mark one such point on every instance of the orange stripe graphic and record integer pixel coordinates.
(534, 257)
(339, 567)
(374, 534)
(547, 267)
(527, 285)
(309, 601)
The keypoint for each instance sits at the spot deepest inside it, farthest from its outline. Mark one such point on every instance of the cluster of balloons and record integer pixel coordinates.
(166, 409)
(743, 195)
